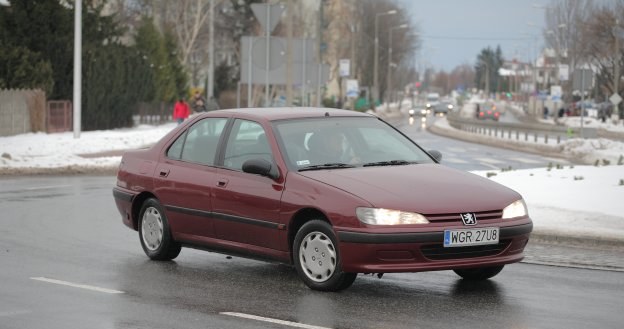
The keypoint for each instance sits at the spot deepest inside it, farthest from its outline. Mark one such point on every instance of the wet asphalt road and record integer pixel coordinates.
(68, 229)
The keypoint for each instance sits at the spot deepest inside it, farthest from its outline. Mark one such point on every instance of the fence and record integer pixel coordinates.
(59, 116)
(152, 113)
(22, 111)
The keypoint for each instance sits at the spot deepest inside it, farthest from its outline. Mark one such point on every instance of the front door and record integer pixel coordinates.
(246, 206)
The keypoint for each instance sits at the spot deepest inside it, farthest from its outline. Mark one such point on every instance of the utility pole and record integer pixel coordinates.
(616, 66)
(289, 58)
(376, 58)
(210, 91)
(77, 101)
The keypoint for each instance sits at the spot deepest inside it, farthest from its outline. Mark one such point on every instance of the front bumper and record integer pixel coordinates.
(416, 252)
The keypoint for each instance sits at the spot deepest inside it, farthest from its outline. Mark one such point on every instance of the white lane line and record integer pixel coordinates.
(81, 286)
(49, 187)
(453, 160)
(527, 160)
(14, 313)
(277, 321)
(489, 160)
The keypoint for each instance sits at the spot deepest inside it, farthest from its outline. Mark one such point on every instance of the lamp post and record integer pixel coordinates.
(376, 61)
(389, 73)
(557, 37)
(211, 53)
(617, 32)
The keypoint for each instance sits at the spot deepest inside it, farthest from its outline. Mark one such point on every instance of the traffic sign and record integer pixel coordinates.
(274, 14)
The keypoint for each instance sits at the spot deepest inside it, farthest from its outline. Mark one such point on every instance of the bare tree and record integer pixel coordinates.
(405, 42)
(565, 23)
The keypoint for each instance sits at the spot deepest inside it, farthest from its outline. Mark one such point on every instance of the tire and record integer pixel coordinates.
(154, 232)
(479, 274)
(317, 258)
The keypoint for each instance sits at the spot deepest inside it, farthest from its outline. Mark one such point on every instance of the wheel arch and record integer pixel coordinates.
(137, 203)
(301, 217)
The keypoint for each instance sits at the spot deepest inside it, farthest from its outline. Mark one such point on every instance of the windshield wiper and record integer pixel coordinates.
(327, 166)
(389, 163)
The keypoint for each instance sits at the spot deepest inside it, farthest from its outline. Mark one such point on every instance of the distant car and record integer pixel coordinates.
(488, 111)
(418, 111)
(442, 108)
(332, 192)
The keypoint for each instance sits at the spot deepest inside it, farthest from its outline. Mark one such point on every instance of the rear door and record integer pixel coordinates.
(185, 176)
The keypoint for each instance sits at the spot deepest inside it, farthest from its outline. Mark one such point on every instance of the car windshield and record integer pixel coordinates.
(345, 142)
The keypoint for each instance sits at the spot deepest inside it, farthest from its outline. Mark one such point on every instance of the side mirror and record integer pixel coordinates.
(436, 155)
(260, 167)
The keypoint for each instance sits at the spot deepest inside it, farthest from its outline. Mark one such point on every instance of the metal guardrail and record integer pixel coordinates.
(518, 131)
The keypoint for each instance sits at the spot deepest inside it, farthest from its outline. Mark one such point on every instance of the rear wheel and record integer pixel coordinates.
(479, 274)
(317, 258)
(155, 234)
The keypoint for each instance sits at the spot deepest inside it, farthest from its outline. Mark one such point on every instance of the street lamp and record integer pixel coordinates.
(389, 73)
(376, 61)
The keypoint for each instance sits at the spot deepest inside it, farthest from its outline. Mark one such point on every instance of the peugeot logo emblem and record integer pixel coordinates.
(469, 218)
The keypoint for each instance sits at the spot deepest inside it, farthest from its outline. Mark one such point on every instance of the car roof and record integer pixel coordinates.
(283, 113)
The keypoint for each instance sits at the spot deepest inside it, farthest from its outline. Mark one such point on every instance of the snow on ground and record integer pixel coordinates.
(582, 201)
(578, 200)
(40, 150)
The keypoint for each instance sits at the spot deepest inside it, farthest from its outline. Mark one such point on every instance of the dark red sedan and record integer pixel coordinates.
(334, 192)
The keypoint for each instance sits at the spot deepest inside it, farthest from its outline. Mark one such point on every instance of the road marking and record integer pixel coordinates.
(453, 160)
(81, 286)
(489, 160)
(277, 321)
(14, 313)
(45, 187)
(527, 160)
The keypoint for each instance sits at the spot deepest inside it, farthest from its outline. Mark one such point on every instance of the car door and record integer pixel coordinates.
(185, 176)
(247, 206)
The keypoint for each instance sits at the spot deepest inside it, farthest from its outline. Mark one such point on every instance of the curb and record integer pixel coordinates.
(575, 240)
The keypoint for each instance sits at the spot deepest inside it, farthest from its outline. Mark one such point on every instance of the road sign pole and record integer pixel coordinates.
(582, 102)
(268, 54)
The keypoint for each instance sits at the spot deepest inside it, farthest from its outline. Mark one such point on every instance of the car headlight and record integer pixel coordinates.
(378, 216)
(450, 107)
(516, 209)
(411, 111)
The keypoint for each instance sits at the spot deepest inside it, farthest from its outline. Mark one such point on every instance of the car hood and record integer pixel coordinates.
(422, 188)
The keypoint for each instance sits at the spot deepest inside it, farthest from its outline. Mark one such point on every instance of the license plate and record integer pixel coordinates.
(471, 237)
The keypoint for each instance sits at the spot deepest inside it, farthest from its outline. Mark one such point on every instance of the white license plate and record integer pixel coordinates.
(471, 237)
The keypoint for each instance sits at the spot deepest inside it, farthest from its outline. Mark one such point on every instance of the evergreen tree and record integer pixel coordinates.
(45, 28)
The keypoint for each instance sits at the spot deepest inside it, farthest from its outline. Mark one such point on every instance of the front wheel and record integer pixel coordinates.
(479, 274)
(317, 258)
(155, 234)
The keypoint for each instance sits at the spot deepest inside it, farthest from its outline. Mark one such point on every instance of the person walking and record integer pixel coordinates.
(181, 110)
(199, 103)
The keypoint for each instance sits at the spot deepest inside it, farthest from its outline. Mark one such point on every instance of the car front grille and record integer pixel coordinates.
(439, 252)
(456, 217)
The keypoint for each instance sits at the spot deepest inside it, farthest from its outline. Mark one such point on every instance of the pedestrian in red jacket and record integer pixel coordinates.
(181, 111)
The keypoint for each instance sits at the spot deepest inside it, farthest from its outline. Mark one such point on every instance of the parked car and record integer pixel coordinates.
(488, 111)
(332, 192)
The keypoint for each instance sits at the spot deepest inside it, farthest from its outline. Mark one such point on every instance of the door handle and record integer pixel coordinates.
(222, 182)
(164, 173)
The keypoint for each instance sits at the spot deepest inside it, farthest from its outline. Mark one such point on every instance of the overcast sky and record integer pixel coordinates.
(455, 31)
